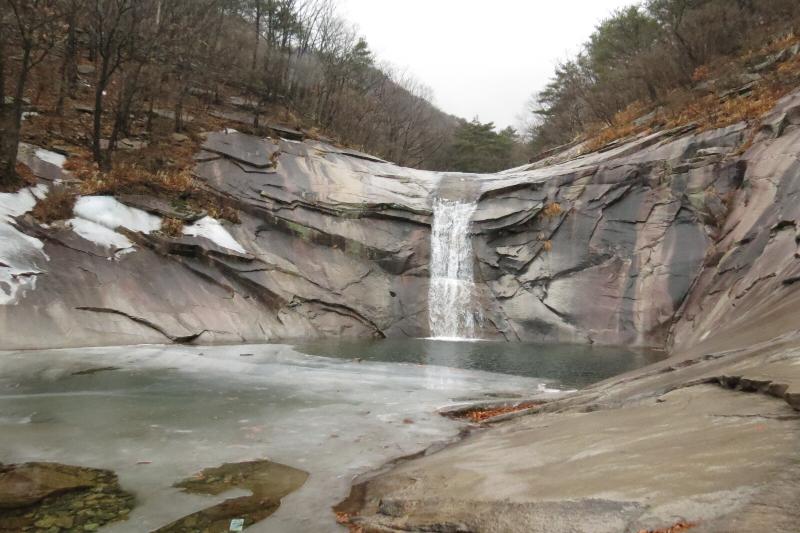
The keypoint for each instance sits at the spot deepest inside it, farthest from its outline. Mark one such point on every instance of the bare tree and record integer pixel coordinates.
(257, 13)
(112, 27)
(295, 55)
(29, 24)
(71, 11)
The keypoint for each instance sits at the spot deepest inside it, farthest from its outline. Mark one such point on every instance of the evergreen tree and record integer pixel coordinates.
(477, 147)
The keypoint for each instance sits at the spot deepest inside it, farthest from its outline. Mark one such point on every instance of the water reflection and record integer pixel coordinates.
(570, 365)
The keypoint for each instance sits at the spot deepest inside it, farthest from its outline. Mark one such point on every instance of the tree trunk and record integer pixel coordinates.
(122, 122)
(686, 48)
(258, 34)
(103, 159)
(11, 119)
(97, 126)
(9, 138)
(69, 67)
(9, 143)
(651, 89)
(256, 115)
(179, 106)
(149, 125)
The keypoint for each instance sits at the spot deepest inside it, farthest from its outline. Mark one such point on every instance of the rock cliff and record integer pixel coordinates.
(674, 238)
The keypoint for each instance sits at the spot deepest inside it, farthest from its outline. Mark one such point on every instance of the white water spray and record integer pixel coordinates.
(452, 287)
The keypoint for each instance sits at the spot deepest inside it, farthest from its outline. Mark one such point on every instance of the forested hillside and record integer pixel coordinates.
(94, 78)
(102, 71)
(668, 63)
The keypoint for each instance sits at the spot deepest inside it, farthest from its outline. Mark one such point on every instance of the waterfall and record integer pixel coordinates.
(450, 306)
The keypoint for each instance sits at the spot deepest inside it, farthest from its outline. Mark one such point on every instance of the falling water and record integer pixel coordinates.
(450, 310)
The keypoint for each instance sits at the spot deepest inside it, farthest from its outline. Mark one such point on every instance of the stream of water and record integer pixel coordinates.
(451, 311)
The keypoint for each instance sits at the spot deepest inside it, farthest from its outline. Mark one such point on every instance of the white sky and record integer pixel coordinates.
(480, 58)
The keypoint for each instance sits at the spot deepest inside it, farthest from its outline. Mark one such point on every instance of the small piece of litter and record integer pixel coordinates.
(237, 524)
(144, 462)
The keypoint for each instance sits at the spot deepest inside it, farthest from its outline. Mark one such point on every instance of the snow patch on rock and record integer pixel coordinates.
(51, 157)
(97, 218)
(17, 203)
(214, 231)
(112, 214)
(100, 235)
(20, 254)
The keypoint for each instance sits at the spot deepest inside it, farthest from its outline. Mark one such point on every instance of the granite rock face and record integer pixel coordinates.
(655, 241)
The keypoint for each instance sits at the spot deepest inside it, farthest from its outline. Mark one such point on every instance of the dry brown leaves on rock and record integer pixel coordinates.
(480, 414)
(343, 518)
(552, 209)
(24, 172)
(677, 528)
(129, 178)
(172, 227)
(26, 179)
(57, 205)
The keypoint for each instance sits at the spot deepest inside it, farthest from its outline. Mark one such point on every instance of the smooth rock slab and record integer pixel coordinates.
(699, 454)
(243, 148)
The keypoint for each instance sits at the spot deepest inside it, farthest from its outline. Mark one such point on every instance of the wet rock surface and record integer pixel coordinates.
(51, 497)
(268, 482)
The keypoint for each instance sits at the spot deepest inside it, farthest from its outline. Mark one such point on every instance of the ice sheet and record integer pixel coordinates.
(187, 408)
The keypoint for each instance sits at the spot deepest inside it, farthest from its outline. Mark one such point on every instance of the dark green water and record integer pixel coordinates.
(568, 365)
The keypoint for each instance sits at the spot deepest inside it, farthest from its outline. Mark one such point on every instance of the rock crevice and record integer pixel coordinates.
(670, 239)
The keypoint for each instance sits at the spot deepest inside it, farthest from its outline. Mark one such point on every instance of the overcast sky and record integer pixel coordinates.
(480, 58)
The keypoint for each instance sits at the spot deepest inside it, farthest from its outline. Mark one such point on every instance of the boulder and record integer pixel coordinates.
(44, 496)
(86, 69)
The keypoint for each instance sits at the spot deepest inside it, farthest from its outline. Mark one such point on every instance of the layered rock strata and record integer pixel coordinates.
(659, 240)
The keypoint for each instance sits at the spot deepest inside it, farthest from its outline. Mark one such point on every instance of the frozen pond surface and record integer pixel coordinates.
(163, 413)
(158, 414)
